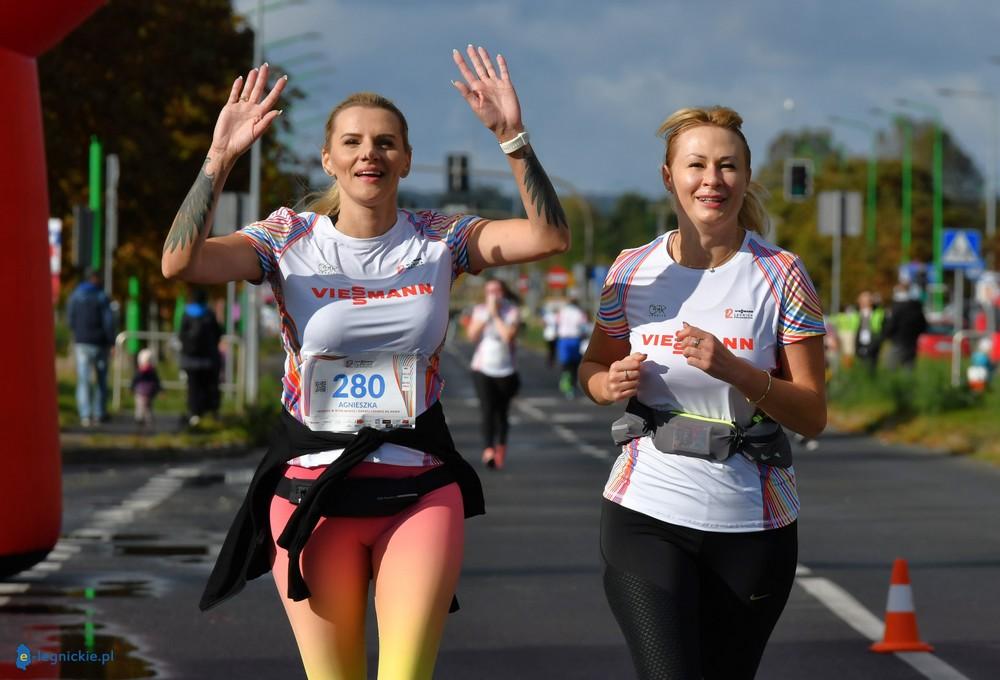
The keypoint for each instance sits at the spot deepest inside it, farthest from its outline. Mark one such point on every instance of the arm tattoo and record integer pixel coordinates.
(191, 218)
(543, 195)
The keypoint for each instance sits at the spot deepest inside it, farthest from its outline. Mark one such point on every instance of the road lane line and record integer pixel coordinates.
(854, 614)
(12, 588)
(561, 431)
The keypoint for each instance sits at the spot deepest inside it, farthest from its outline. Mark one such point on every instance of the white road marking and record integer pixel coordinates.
(571, 418)
(12, 588)
(564, 433)
(854, 614)
(103, 525)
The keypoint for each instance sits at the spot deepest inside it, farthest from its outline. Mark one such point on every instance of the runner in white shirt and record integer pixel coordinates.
(493, 327)
(362, 290)
(712, 321)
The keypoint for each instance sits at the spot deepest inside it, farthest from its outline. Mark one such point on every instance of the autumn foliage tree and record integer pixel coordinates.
(148, 79)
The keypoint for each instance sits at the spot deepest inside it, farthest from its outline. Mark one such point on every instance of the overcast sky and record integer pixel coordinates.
(595, 79)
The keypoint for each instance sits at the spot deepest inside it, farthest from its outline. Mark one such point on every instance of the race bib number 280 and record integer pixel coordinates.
(344, 394)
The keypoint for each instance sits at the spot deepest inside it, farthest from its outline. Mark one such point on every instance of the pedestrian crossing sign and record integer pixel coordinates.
(961, 249)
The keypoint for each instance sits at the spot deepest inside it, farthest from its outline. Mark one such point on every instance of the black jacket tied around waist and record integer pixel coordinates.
(245, 553)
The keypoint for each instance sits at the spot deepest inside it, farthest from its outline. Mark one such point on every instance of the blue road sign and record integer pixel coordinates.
(961, 249)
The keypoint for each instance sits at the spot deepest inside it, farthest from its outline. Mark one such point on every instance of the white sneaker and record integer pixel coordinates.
(194, 420)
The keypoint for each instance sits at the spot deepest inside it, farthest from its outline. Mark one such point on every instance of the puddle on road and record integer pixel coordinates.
(102, 589)
(77, 649)
(114, 657)
(136, 537)
(206, 479)
(39, 609)
(154, 550)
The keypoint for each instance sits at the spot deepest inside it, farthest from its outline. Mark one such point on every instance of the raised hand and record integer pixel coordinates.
(246, 114)
(489, 92)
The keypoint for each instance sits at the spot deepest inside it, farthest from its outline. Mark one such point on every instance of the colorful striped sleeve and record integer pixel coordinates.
(454, 230)
(611, 318)
(270, 237)
(801, 314)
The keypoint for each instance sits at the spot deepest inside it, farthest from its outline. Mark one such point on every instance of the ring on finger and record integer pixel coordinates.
(626, 375)
(696, 342)
(244, 99)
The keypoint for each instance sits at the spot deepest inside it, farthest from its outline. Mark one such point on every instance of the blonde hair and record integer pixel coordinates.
(328, 202)
(145, 358)
(752, 215)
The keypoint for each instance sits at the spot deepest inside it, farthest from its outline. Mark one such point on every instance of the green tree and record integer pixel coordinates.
(796, 222)
(149, 78)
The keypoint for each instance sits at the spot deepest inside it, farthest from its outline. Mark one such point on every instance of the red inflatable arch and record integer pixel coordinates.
(30, 471)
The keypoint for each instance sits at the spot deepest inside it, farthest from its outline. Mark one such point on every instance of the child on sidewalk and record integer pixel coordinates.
(145, 386)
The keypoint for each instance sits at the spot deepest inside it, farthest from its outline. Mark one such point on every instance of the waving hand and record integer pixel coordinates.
(489, 92)
(246, 115)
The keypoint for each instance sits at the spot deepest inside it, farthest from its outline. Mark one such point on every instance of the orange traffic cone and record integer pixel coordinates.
(900, 617)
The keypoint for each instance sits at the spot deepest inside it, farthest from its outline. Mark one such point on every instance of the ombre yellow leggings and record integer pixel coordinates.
(414, 559)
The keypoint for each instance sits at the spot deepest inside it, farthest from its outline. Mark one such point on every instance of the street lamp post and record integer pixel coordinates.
(251, 347)
(991, 181)
(871, 206)
(938, 205)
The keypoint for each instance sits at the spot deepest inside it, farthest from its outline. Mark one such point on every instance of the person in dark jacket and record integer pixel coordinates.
(91, 322)
(200, 358)
(903, 325)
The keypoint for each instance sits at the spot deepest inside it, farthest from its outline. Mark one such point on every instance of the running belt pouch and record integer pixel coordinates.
(371, 497)
(763, 442)
(766, 442)
(689, 436)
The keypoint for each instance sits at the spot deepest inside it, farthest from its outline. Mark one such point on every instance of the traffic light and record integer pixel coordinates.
(798, 179)
(458, 173)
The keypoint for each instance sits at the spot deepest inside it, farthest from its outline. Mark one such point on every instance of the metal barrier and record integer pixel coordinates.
(163, 343)
(956, 353)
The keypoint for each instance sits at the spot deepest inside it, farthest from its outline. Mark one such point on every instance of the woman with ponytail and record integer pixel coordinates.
(362, 484)
(714, 336)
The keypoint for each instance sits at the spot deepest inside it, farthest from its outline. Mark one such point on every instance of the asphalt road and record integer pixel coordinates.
(140, 539)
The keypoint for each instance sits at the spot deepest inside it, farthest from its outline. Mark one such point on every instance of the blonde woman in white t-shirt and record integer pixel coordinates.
(493, 327)
(362, 485)
(714, 322)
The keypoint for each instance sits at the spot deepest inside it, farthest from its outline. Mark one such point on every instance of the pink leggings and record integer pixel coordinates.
(414, 558)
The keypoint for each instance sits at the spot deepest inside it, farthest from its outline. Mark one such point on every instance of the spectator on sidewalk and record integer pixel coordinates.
(91, 322)
(904, 324)
(868, 331)
(145, 386)
(200, 358)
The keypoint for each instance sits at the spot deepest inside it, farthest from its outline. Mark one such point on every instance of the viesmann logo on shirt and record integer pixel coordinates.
(359, 295)
(670, 340)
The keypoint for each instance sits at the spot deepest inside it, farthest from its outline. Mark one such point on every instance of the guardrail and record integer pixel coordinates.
(956, 353)
(162, 343)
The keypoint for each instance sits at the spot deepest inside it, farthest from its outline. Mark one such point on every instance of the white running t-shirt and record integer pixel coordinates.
(754, 303)
(339, 295)
(493, 356)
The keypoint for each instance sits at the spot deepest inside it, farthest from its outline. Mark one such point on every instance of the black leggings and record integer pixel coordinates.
(495, 395)
(694, 604)
(203, 391)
